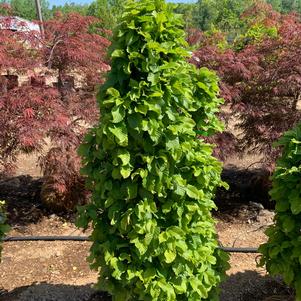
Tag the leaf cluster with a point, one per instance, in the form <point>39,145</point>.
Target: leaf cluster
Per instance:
<point>4,228</point>
<point>282,253</point>
<point>153,181</point>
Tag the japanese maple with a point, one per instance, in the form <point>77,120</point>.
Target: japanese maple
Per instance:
<point>62,111</point>
<point>261,80</point>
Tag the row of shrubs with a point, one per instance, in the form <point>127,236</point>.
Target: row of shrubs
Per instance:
<point>153,182</point>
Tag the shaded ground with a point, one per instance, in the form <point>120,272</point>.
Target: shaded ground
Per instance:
<point>254,287</point>
<point>271,290</point>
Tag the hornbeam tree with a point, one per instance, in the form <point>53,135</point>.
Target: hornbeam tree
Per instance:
<point>281,253</point>
<point>3,224</point>
<point>153,181</point>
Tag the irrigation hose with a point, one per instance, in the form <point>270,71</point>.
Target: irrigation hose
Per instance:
<point>86,238</point>
<point>46,238</point>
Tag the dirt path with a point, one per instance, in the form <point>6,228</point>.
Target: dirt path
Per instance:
<point>58,270</point>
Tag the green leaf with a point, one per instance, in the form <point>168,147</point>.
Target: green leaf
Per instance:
<point>153,78</point>
<point>118,114</point>
<point>140,246</point>
<point>180,285</point>
<point>124,155</point>
<point>84,150</point>
<point>118,53</point>
<point>120,133</point>
<point>193,192</point>
<point>131,190</point>
<point>4,229</point>
<point>125,171</point>
<point>170,256</point>
<point>288,224</point>
<point>296,205</point>
<point>198,288</point>
<point>150,273</point>
<point>112,92</point>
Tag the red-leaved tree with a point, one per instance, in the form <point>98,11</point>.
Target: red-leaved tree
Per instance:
<point>262,80</point>
<point>79,59</point>
<point>51,110</point>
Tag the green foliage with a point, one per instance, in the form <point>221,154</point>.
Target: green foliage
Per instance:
<point>223,15</point>
<point>189,13</point>
<point>286,6</point>
<point>109,11</point>
<point>153,181</point>
<point>3,226</point>
<point>68,8</point>
<point>277,4</point>
<point>254,34</point>
<point>282,253</point>
<point>27,9</point>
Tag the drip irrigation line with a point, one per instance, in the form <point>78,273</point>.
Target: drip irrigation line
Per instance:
<point>46,238</point>
<point>239,250</point>
<point>86,238</point>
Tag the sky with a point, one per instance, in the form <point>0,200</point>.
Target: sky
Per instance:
<point>62,2</point>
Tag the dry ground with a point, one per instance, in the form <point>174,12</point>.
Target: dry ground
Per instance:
<point>58,271</point>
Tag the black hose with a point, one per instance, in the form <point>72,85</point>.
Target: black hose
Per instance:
<point>46,238</point>
<point>86,238</point>
<point>239,250</point>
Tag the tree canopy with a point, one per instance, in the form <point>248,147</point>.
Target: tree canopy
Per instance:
<point>152,179</point>
<point>27,9</point>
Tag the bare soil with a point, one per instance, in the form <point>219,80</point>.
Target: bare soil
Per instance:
<point>58,271</point>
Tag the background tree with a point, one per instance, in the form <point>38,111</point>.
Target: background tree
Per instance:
<point>261,80</point>
<point>34,111</point>
<point>68,8</point>
<point>223,15</point>
<point>277,4</point>
<point>108,11</point>
<point>5,9</point>
<point>290,6</point>
<point>26,8</point>
<point>71,49</point>
<point>189,13</point>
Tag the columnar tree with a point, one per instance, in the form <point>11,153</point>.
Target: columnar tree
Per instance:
<point>282,252</point>
<point>153,181</point>
<point>3,224</point>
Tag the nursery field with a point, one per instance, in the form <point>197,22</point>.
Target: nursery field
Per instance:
<point>128,109</point>
<point>59,270</point>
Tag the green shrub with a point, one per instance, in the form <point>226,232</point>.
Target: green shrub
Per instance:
<point>282,253</point>
<point>3,226</point>
<point>153,181</point>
